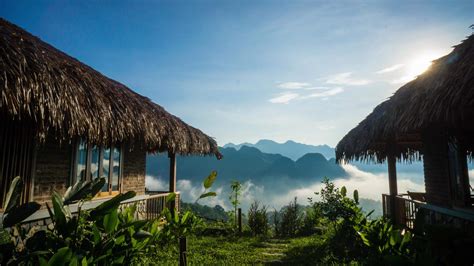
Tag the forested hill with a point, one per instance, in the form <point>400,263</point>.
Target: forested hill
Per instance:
<point>249,163</point>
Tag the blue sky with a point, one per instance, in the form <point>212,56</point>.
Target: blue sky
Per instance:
<point>246,70</point>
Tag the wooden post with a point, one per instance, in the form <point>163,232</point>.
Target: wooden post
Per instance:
<point>172,188</point>
<point>183,243</point>
<point>392,183</point>
<point>172,157</point>
<point>240,219</point>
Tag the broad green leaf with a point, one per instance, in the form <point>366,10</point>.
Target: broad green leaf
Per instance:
<point>20,213</point>
<point>111,205</point>
<point>343,191</point>
<point>185,217</point>
<point>142,234</point>
<point>59,212</point>
<point>111,221</point>
<point>83,190</point>
<point>42,261</point>
<point>74,261</point>
<point>171,197</point>
<point>356,196</point>
<point>137,225</point>
<point>119,260</point>
<point>97,186</point>
<point>61,257</point>
<point>119,240</point>
<point>364,239</point>
<point>208,194</point>
<point>84,261</point>
<point>210,180</point>
<point>4,237</point>
<point>96,233</point>
<point>13,196</point>
<point>73,192</point>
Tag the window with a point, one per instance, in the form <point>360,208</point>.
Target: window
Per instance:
<point>93,161</point>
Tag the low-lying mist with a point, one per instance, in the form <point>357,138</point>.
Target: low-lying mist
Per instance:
<point>369,185</point>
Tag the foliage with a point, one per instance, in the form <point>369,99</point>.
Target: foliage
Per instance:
<point>339,215</point>
<point>290,220</point>
<point>207,183</point>
<point>215,214</point>
<point>234,197</point>
<point>99,236</point>
<point>14,211</point>
<point>257,219</point>
<point>182,224</point>
<point>385,243</point>
<point>103,235</point>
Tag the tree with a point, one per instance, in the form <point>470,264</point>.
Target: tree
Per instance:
<point>234,197</point>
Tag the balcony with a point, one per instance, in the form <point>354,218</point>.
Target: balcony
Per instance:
<point>149,206</point>
<point>406,209</point>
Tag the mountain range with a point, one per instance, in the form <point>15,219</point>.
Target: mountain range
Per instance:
<point>295,150</point>
<point>249,163</point>
<point>290,149</point>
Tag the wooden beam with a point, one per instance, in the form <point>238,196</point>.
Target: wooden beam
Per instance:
<point>172,157</point>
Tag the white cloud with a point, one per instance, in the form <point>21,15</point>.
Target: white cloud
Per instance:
<point>402,80</point>
<point>325,127</point>
<point>190,193</point>
<point>284,98</point>
<point>369,185</point>
<point>325,94</point>
<point>346,79</point>
<point>293,85</point>
<point>390,69</point>
<point>155,184</point>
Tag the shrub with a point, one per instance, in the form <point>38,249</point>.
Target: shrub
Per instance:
<point>290,220</point>
<point>257,219</point>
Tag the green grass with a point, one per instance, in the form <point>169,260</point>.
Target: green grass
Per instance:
<point>246,251</point>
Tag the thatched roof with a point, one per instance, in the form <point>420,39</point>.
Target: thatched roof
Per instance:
<point>69,99</point>
<point>442,98</point>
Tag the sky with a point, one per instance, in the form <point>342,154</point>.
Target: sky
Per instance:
<point>241,71</point>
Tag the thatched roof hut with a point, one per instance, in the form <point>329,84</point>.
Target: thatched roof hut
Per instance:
<point>442,98</point>
<point>69,99</point>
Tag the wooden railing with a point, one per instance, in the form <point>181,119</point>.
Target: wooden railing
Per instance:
<point>151,206</point>
<point>148,207</point>
<point>407,209</point>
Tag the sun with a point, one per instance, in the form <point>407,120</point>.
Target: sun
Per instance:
<point>421,63</point>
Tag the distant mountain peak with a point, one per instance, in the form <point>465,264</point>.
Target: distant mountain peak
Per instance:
<point>290,148</point>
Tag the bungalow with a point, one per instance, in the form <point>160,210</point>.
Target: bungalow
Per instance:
<point>432,119</point>
<point>62,121</point>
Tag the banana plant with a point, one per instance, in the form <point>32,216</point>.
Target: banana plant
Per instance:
<point>15,212</point>
<point>180,225</point>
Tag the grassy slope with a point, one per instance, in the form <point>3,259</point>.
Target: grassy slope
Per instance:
<point>246,251</point>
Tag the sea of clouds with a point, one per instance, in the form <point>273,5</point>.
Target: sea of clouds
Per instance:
<point>369,185</point>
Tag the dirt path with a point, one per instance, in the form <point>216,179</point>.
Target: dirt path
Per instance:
<point>273,250</point>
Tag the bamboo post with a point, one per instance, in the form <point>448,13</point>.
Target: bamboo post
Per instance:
<point>183,243</point>
<point>240,219</point>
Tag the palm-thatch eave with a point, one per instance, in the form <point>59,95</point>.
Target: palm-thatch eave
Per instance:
<point>441,98</point>
<point>66,98</point>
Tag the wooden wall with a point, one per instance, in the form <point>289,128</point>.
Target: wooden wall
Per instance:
<point>436,168</point>
<point>53,169</point>
<point>16,155</point>
<point>134,169</point>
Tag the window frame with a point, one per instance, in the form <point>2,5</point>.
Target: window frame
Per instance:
<point>88,175</point>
